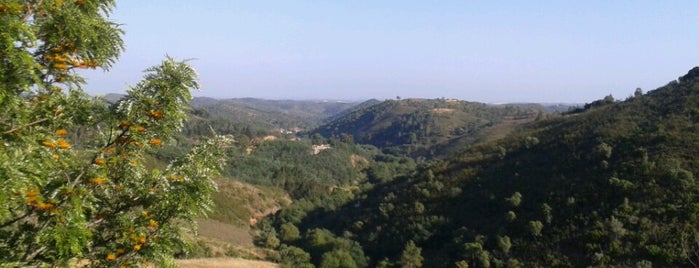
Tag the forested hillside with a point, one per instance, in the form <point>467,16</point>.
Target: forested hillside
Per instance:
<point>429,127</point>
<point>611,186</point>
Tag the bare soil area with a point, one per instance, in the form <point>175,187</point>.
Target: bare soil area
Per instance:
<point>224,263</point>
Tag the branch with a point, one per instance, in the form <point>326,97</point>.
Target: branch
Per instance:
<point>25,125</point>
<point>35,253</point>
<point>30,11</point>
<point>10,222</point>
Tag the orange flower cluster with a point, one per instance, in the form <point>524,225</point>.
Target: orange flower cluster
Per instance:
<point>98,181</point>
<point>111,257</point>
<point>48,144</point>
<point>31,195</point>
<point>32,199</point>
<point>62,143</point>
<point>175,178</point>
<point>61,132</point>
<point>155,142</point>
<point>108,150</point>
<point>64,57</point>
<point>152,224</point>
<point>138,241</point>
<point>100,161</point>
<point>43,206</point>
<point>124,124</point>
<point>157,114</point>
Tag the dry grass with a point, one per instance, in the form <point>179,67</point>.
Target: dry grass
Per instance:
<point>224,262</point>
<point>228,232</point>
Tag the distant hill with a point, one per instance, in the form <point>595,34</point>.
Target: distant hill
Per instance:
<point>428,127</point>
<point>272,114</point>
<point>612,186</point>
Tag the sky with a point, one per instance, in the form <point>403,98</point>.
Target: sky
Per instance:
<point>486,51</point>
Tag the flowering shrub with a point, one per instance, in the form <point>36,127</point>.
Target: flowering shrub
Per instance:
<point>74,186</point>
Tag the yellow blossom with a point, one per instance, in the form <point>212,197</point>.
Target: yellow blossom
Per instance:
<point>142,240</point>
<point>137,247</point>
<point>111,257</point>
<point>61,132</point>
<point>100,161</point>
<point>56,157</point>
<point>152,223</point>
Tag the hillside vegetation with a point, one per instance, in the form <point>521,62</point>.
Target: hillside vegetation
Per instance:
<point>429,127</point>
<point>611,186</point>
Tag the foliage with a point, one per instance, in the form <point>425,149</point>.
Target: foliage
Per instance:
<point>75,184</point>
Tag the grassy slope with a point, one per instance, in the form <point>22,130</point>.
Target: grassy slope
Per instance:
<point>227,231</point>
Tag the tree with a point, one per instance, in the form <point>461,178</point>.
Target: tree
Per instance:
<point>293,257</point>
<point>74,180</point>
<point>411,256</point>
<point>504,244</point>
<point>289,232</point>
<point>338,258</point>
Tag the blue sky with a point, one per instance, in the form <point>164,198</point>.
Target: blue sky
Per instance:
<point>488,51</point>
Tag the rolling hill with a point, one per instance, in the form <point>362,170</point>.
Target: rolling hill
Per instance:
<point>429,127</point>
<point>611,186</point>
<point>272,114</point>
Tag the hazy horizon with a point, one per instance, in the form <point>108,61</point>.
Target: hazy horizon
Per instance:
<point>502,52</point>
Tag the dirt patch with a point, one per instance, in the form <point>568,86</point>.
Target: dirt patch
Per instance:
<point>224,262</point>
<point>229,233</point>
<point>442,110</point>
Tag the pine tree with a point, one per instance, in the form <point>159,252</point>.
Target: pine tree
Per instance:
<point>411,256</point>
